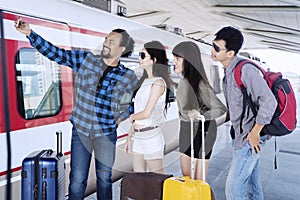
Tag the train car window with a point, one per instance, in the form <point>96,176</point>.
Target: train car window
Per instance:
<point>133,64</point>
<point>171,97</point>
<point>38,85</point>
<point>176,78</point>
<point>216,81</point>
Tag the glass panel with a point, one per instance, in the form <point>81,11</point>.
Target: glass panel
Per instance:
<point>38,85</point>
<point>130,63</point>
<point>216,78</point>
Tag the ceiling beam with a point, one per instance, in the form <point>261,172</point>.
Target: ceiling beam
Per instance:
<point>276,39</point>
<point>292,2</point>
<point>253,8</point>
<point>283,44</point>
<point>147,14</point>
<point>285,49</point>
<point>284,28</point>
<point>284,33</point>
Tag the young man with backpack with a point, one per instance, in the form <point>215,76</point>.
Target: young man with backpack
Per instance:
<point>243,177</point>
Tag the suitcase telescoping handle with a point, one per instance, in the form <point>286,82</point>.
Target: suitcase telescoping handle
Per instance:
<point>59,143</point>
<point>202,119</point>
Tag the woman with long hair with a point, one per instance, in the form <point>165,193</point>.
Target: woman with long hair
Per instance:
<point>150,105</point>
<point>195,96</point>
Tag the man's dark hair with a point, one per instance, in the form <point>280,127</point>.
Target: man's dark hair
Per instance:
<point>233,37</point>
<point>126,42</point>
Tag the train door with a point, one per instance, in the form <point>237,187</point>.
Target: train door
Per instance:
<point>36,96</point>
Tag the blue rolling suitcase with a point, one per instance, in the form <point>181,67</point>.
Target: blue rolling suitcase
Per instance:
<point>43,174</point>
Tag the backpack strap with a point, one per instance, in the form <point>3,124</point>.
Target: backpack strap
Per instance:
<point>238,71</point>
<point>243,88</point>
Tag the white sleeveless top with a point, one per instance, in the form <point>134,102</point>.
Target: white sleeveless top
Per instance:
<point>157,116</point>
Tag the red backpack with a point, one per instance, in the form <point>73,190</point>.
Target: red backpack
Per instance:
<point>284,119</point>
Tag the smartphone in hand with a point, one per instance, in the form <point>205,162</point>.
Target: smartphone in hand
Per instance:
<point>18,22</point>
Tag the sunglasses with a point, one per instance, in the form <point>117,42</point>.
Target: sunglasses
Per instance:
<point>217,48</point>
<point>143,55</point>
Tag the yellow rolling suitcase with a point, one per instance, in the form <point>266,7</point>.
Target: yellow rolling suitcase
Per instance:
<point>186,188</point>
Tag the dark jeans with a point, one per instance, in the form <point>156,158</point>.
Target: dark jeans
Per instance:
<point>81,152</point>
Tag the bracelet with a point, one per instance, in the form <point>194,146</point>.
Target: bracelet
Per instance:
<point>131,120</point>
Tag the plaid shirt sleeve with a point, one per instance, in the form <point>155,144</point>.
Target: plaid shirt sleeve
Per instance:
<point>129,84</point>
<point>71,58</point>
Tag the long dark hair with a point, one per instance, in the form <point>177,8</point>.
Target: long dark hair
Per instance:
<point>193,70</point>
<point>160,68</point>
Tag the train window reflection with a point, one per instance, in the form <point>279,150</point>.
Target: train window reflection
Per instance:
<point>38,85</point>
<point>216,78</point>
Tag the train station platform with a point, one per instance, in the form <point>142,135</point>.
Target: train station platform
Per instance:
<point>278,184</point>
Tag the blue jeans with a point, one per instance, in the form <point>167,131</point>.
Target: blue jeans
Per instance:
<point>244,176</point>
<point>81,152</point>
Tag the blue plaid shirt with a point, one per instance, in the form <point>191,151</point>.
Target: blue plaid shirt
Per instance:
<point>97,104</point>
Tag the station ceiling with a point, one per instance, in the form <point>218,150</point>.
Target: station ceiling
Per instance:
<point>265,23</point>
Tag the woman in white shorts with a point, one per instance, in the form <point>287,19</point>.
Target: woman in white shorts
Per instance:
<point>150,104</point>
